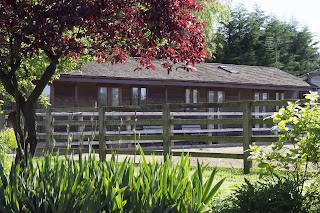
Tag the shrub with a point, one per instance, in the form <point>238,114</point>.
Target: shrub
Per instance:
<point>312,196</point>
<point>299,125</point>
<point>89,185</point>
<point>281,195</point>
<point>7,144</point>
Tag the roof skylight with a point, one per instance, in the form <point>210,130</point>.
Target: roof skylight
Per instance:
<point>228,69</point>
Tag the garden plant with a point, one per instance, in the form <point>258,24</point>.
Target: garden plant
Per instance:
<point>290,170</point>
<point>52,184</point>
<point>8,144</point>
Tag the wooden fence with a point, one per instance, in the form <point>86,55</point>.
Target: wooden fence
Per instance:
<point>119,129</point>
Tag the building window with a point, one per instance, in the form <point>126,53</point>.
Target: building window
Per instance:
<point>260,109</point>
<point>260,96</point>
<point>103,96</point>
<point>192,96</point>
<point>109,96</point>
<point>211,99</point>
<point>143,96</point>
<point>279,96</point>
<point>135,96</point>
<point>115,98</point>
<point>211,96</point>
<point>264,98</point>
<point>220,100</point>
<point>139,96</point>
<point>188,96</point>
<point>216,96</point>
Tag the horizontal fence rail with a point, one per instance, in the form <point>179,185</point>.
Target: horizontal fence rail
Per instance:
<point>160,126</point>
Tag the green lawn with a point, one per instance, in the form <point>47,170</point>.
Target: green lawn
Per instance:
<point>233,177</point>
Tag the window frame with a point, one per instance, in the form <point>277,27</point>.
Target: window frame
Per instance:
<point>190,98</point>
<point>139,97</point>
<point>192,93</point>
<point>109,98</point>
<point>262,96</point>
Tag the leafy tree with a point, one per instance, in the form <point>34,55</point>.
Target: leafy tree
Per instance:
<point>40,37</point>
<point>214,13</point>
<point>254,38</point>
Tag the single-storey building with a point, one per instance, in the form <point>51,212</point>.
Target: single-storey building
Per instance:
<point>113,85</point>
<point>313,78</point>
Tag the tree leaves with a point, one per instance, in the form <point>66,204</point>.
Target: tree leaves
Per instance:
<point>254,38</point>
<point>40,39</point>
<point>298,146</point>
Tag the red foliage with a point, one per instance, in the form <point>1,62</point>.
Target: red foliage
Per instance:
<point>111,30</point>
<point>116,29</point>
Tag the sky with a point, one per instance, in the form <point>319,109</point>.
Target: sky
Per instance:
<point>306,12</point>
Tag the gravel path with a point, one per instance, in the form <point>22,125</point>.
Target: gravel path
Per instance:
<point>212,162</point>
<point>233,148</point>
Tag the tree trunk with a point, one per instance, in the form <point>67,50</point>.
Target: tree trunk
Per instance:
<point>23,120</point>
<point>30,130</point>
<point>25,132</point>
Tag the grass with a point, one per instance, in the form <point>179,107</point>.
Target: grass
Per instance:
<point>234,177</point>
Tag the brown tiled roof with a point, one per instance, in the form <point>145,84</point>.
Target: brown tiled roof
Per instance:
<point>204,72</point>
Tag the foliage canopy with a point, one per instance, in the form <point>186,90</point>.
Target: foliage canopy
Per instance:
<point>254,38</point>
<point>38,38</point>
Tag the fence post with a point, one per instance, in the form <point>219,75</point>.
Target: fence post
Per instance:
<point>48,129</point>
<point>102,134</point>
<point>81,129</point>
<point>166,130</point>
<point>247,135</point>
<point>128,128</point>
<point>2,120</point>
<point>209,126</point>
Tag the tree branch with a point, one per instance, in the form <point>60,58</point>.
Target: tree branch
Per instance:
<point>9,86</point>
<point>45,78</point>
<point>7,83</point>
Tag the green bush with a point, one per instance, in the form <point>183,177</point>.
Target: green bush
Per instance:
<point>7,144</point>
<point>89,185</point>
<point>281,195</point>
<point>297,125</point>
<point>312,196</point>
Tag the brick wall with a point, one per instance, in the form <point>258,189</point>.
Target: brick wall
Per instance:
<point>292,95</point>
<point>231,94</point>
<point>87,95</point>
<point>64,95</point>
<point>246,94</point>
<point>176,95</point>
<point>202,95</point>
<point>126,95</point>
<point>156,95</point>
